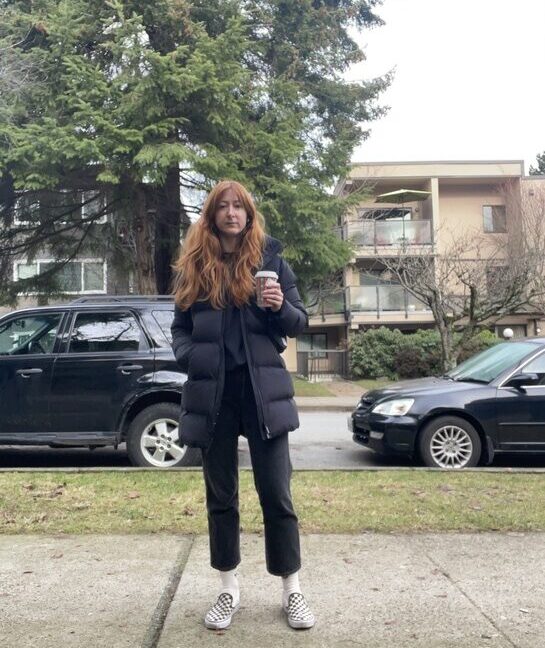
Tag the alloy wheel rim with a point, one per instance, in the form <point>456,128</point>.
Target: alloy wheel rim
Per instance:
<point>159,443</point>
<point>451,447</point>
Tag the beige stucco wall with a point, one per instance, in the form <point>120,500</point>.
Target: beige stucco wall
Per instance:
<point>493,169</point>
<point>290,355</point>
<point>461,208</point>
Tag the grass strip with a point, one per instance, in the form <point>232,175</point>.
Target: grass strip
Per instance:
<point>306,388</point>
<point>326,502</point>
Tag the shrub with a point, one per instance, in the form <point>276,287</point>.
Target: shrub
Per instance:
<point>390,353</point>
<point>480,342</point>
<point>372,353</point>
<point>428,343</point>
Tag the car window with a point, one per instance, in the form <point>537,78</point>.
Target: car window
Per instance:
<point>29,334</point>
<point>537,366</point>
<point>164,319</point>
<point>158,327</point>
<point>106,333</point>
<point>489,364</point>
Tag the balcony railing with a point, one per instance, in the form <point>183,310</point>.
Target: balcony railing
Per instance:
<point>382,298</point>
<point>377,233</point>
<point>322,364</point>
<point>331,304</point>
<point>368,299</point>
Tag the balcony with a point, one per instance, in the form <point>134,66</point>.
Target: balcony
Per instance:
<point>392,232</point>
<point>386,302</point>
<point>383,299</point>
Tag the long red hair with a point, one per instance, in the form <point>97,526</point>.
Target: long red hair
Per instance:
<point>200,272</point>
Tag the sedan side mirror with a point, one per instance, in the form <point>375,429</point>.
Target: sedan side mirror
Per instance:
<point>520,381</point>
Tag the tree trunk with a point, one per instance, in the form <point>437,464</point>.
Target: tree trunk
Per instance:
<point>168,210</point>
<point>143,236</point>
<point>448,358</point>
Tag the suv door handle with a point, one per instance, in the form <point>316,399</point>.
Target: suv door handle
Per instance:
<point>126,369</point>
<point>26,373</point>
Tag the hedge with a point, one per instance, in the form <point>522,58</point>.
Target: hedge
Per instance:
<point>389,353</point>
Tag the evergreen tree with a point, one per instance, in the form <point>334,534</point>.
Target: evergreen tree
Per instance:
<point>145,105</point>
<point>540,168</point>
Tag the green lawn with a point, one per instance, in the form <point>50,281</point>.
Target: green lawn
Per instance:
<point>326,502</point>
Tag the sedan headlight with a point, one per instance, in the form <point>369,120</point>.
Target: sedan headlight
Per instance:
<point>397,407</point>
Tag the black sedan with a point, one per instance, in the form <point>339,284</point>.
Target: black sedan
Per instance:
<point>493,402</point>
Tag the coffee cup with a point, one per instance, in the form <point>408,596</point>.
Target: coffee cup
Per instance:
<point>261,280</point>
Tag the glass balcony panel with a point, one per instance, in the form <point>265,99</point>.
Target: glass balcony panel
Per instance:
<point>363,298</point>
<point>330,304</point>
<point>334,303</point>
<point>414,304</point>
<point>391,298</point>
<point>418,232</point>
<point>389,232</point>
<point>354,233</point>
<point>368,233</point>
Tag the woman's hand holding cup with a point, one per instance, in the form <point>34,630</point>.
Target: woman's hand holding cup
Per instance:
<point>268,290</point>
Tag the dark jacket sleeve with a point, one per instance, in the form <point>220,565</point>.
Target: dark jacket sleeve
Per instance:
<point>181,328</point>
<point>292,318</point>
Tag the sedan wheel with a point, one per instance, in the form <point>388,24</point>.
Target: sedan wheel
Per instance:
<point>153,439</point>
<point>450,442</point>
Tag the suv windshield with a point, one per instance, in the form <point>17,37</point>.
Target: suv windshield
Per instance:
<point>489,364</point>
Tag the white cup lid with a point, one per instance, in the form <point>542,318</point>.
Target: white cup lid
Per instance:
<point>269,274</point>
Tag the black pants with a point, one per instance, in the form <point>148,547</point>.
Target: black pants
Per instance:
<point>272,471</point>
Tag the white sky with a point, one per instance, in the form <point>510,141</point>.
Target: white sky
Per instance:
<point>469,81</point>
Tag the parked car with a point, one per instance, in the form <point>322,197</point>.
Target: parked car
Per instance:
<point>92,373</point>
<point>492,403</point>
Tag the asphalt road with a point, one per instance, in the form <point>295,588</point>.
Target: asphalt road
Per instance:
<point>322,441</point>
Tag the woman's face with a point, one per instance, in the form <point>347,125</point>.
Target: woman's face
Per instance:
<point>230,217</point>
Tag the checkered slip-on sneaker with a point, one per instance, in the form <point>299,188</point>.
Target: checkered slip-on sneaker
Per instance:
<point>298,612</point>
<point>219,615</point>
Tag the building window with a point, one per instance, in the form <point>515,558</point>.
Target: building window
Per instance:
<point>75,277</point>
<point>62,206</point>
<point>494,219</point>
<point>92,204</point>
<point>519,330</point>
<point>315,342</point>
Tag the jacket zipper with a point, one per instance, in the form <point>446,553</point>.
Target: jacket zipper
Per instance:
<point>257,393</point>
<point>221,377</point>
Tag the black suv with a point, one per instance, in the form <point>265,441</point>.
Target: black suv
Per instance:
<point>95,372</point>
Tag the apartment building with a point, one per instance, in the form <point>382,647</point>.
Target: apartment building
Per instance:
<point>420,206</point>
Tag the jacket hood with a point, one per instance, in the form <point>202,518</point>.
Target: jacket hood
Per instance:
<point>272,247</point>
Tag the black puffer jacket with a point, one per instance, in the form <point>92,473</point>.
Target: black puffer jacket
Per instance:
<point>199,349</point>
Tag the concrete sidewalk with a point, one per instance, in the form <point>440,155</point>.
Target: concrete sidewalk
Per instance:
<point>432,590</point>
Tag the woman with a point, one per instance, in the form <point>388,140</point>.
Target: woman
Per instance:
<point>238,384</point>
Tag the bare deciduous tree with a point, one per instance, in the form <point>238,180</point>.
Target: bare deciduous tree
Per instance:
<point>475,279</point>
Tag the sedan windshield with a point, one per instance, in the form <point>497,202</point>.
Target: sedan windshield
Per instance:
<point>488,365</point>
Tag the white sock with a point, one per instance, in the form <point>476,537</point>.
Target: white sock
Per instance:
<point>290,584</point>
<point>229,584</point>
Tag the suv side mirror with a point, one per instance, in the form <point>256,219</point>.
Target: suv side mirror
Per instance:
<point>519,381</point>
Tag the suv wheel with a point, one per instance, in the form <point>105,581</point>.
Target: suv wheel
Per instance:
<point>152,440</point>
<point>450,442</point>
